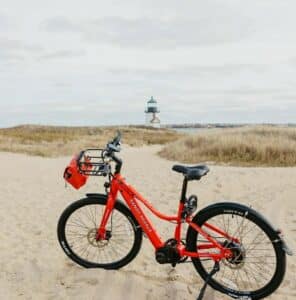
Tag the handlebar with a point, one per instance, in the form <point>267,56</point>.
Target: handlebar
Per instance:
<point>90,162</point>
<point>117,139</point>
<point>114,145</point>
<point>111,148</point>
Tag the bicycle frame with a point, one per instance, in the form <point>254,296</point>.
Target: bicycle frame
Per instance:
<point>131,197</point>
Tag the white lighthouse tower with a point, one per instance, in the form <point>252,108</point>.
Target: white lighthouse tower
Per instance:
<point>151,113</point>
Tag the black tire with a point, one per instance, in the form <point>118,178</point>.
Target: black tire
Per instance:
<point>221,282</point>
<point>131,224</point>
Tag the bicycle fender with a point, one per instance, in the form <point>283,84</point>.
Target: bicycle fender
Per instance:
<point>278,235</point>
<point>284,245</point>
<point>95,195</point>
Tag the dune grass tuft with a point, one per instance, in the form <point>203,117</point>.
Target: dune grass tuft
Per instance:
<point>52,141</point>
<point>249,146</point>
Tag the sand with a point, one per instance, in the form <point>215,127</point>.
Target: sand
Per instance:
<point>33,196</point>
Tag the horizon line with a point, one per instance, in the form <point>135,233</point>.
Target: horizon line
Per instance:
<point>188,125</point>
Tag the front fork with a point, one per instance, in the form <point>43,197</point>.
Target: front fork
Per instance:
<point>111,199</point>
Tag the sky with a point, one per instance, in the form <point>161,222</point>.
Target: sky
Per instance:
<point>98,62</point>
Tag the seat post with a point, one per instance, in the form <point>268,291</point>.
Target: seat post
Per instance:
<point>184,190</point>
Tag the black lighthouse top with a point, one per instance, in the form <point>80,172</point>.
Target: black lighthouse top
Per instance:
<point>152,106</point>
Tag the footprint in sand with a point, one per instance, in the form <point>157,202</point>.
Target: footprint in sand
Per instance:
<point>173,276</point>
<point>150,295</point>
<point>90,279</point>
<point>189,290</point>
<point>70,264</point>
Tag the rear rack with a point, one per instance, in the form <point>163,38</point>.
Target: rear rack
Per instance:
<point>91,162</point>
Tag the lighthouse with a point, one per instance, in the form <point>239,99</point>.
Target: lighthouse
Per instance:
<point>151,113</point>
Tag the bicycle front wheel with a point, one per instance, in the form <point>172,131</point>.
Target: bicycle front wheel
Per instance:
<point>258,264</point>
<point>77,228</point>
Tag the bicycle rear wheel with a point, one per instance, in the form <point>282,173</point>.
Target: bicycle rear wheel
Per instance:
<point>77,228</point>
<point>258,264</point>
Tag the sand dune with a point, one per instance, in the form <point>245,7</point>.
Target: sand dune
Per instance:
<point>33,196</point>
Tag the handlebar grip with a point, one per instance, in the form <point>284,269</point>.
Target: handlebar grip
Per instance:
<point>113,148</point>
<point>116,140</point>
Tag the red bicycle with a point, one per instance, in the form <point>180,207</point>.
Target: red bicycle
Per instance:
<point>233,248</point>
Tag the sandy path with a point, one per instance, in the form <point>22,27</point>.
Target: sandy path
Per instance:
<point>33,196</point>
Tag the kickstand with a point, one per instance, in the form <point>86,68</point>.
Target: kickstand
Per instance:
<point>215,269</point>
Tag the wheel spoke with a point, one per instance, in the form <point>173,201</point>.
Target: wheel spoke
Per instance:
<point>253,263</point>
<point>81,228</point>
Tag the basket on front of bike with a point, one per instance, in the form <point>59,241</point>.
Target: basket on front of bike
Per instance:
<point>89,162</point>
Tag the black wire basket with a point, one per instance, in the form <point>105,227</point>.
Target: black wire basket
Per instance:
<point>91,162</point>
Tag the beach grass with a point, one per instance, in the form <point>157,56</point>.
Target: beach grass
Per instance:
<point>246,146</point>
<point>53,141</point>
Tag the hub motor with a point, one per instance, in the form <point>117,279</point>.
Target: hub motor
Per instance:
<point>100,243</point>
<point>237,260</point>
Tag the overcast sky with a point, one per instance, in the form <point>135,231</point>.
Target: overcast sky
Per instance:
<point>98,62</point>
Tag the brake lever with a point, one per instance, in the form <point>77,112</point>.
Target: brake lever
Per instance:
<point>112,147</point>
<point>116,140</point>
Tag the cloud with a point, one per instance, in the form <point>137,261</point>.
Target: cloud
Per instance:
<point>155,33</point>
<point>158,33</point>
<point>62,54</point>
<point>5,22</point>
<point>203,60</point>
<point>60,24</point>
<point>10,57</point>
<point>16,50</point>
<point>190,71</point>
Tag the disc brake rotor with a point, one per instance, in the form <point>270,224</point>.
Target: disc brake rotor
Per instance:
<point>237,260</point>
<point>91,237</point>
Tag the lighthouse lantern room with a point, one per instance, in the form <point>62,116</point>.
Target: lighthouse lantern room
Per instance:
<point>151,113</point>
